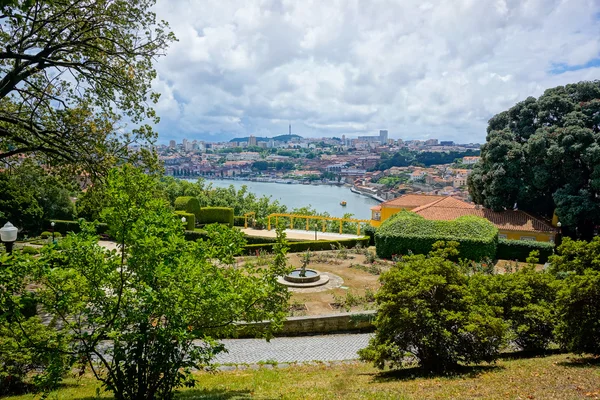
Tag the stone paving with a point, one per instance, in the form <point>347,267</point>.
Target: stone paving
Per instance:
<point>293,349</point>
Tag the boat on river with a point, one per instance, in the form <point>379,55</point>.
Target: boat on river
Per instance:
<point>343,203</point>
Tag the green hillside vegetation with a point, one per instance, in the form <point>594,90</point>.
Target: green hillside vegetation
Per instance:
<point>281,138</point>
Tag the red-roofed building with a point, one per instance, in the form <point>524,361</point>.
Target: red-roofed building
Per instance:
<point>516,225</point>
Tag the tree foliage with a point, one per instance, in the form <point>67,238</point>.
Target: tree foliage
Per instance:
<point>70,70</point>
<point>427,312</point>
<point>142,317</point>
<point>29,195</point>
<point>544,155</point>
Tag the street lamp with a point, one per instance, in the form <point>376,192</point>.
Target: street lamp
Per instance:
<point>316,226</point>
<point>52,225</point>
<point>183,221</point>
<point>8,235</point>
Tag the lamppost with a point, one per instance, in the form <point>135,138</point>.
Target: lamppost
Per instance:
<point>559,236</point>
<point>316,226</point>
<point>8,235</point>
<point>183,221</point>
<point>52,225</point>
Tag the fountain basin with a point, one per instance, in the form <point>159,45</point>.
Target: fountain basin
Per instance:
<point>313,278</point>
<point>310,276</point>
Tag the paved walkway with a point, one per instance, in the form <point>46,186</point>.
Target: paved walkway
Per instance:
<point>293,349</point>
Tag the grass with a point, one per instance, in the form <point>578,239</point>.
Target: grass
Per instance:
<point>559,376</point>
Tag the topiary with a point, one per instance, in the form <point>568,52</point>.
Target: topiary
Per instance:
<point>188,204</point>
<point>407,232</point>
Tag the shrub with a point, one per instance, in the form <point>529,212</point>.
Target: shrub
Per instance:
<point>575,256</point>
<point>190,219</point>
<point>578,310</point>
<point>426,310</point>
<point>298,247</point>
<point>519,250</point>
<point>64,227</point>
<point>195,235</point>
<point>241,221</point>
<point>408,232</point>
<point>220,215</point>
<point>30,250</point>
<point>188,204</point>
<point>370,232</point>
<point>45,235</point>
<point>259,239</point>
<point>527,299</point>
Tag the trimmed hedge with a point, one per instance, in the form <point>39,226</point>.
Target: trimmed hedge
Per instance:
<point>46,235</point>
<point>220,215</point>
<point>65,227</point>
<point>298,247</point>
<point>188,204</point>
<point>518,250</point>
<point>407,232</point>
<point>370,232</point>
<point>196,234</point>
<point>190,222</point>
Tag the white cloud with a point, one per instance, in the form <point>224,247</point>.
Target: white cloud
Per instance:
<point>420,69</point>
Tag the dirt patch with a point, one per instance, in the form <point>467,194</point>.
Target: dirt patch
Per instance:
<point>360,275</point>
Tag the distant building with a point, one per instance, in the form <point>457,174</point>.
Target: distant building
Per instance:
<point>431,142</point>
<point>446,143</point>
<point>471,160</point>
<point>172,144</point>
<point>252,141</point>
<point>383,136</point>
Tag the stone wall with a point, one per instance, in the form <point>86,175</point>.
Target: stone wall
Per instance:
<point>360,321</point>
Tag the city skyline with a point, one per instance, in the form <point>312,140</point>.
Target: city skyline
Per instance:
<point>420,70</point>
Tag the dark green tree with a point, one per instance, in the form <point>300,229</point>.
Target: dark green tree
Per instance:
<point>544,155</point>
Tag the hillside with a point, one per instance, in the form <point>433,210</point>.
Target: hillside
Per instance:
<point>281,138</point>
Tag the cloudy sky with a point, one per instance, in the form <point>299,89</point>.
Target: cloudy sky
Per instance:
<point>418,68</point>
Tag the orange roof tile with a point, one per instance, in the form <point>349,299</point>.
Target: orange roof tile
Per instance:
<point>450,208</point>
<point>411,200</point>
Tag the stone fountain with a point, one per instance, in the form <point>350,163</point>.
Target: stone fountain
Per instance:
<point>303,277</point>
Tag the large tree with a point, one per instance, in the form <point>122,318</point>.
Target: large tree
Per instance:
<point>71,71</point>
<point>544,155</point>
<point>144,316</point>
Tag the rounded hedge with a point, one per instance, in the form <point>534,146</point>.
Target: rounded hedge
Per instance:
<point>407,232</point>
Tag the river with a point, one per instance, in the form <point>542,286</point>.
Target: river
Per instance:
<point>323,198</point>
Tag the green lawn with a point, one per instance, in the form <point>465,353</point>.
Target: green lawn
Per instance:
<point>562,376</point>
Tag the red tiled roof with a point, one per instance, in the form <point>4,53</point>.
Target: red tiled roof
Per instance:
<point>411,200</point>
<point>450,208</point>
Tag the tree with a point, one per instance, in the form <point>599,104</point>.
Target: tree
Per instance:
<point>544,155</point>
<point>30,196</point>
<point>159,301</point>
<point>69,69</point>
<point>427,312</point>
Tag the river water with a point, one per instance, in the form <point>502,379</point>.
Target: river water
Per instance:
<point>323,198</point>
